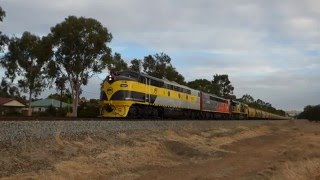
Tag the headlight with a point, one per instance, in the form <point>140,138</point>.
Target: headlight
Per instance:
<point>110,78</point>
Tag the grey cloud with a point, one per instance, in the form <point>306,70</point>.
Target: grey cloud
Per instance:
<point>260,44</point>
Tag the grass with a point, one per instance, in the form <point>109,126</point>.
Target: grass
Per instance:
<point>300,170</point>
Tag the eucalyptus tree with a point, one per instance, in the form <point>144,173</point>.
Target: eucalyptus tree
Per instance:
<point>159,65</point>
<point>3,38</point>
<point>248,99</point>
<point>2,14</point>
<point>117,63</point>
<point>80,51</point>
<point>135,65</point>
<point>7,89</point>
<point>224,84</point>
<point>26,61</point>
<point>203,85</point>
<point>61,86</point>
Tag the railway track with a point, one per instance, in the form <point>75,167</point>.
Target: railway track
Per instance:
<point>16,131</point>
<point>35,118</point>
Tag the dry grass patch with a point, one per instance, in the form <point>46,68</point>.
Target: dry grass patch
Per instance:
<point>302,170</point>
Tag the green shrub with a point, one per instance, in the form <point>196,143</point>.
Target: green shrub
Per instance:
<point>52,112</point>
<point>311,113</point>
<point>88,111</point>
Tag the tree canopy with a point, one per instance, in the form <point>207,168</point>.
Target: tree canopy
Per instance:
<point>26,59</point>
<point>117,63</point>
<point>220,86</point>
<point>2,14</point>
<point>8,90</point>
<point>248,99</point>
<point>3,38</point>
<point>135,65</point>
<point>222,82</point>
<point>159,65</point>
<point>260,104</point>
<point>203,85</point>
<point>80,51</point>
<point>311,113</point>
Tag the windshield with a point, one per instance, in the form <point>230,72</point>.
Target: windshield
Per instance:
<point>129,74</point>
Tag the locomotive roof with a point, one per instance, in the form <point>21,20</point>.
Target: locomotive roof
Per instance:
<point>214,95</point>
<point>166,81</point>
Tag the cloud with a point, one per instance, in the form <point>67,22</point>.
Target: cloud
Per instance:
<point>270,49</point>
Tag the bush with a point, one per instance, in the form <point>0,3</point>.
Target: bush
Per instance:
<point>53,112</point>
<point>88,111</point>
<point>13,113</point>
<point>311,113</point>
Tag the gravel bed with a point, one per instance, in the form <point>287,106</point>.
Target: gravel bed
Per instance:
<point>15,131</point>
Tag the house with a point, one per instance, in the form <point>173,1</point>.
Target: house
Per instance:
<point>9,106</point>
<point>42,105</point>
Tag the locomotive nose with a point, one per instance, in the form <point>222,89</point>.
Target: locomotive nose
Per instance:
<point>108,108</point>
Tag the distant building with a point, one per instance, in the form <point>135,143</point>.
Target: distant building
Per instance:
<point>42,105</point>
<point>10,106</point>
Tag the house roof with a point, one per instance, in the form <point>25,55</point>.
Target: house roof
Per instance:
<point>48,102</point>
<point>4,100</point>
<point>10,102</point>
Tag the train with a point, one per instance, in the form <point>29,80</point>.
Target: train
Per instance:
<point>129,94</point>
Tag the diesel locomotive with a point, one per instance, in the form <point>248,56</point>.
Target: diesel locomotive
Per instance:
<point>138,95</point>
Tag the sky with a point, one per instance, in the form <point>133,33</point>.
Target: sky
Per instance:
<point>269,49</point>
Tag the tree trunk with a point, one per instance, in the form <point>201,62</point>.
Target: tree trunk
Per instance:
<point>75,101</point>
<point>61,99</point>
<point>30,109</point>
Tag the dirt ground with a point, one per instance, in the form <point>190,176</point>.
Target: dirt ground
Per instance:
<point>289,150</point>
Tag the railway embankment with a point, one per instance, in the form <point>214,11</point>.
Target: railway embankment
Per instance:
<point>16,130</point>
<point>254,149</point>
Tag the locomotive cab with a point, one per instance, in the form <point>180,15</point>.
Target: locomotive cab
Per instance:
<point>116,95</point>
<point>239,110</point>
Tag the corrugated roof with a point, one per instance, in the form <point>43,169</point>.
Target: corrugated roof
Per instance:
<point>48,102</point>
<point>4,100</point>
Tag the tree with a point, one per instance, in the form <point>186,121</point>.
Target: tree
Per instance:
<point>89,108</point>
<point>8,90</point>
<point>159,65</point>
<point>3,38</point>
<point>310,112</point>
<point>173,75</point>
<point>203,85</point>
<point>149,65</point>
<point>80,51</point>
<point>135,65</point>
<point>61,86</point>
<point>2,14</point>
<point>26,59</point>
<point>247,99</point>
<point>260,103</point>
<point>117,63</point>
<point>224,85</point>
<point>4,87</point>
